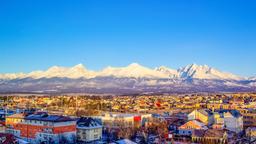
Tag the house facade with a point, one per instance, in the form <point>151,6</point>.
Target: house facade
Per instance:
<point>89,130</point>
<point>41,127</point>
<point>189,127</point>
<point>203,115</point>
<point>232,120</point>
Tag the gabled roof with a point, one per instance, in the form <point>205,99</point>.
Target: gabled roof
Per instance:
<point>194,123</point>
<point>89,122</point>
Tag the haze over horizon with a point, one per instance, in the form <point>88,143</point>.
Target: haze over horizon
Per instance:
<point>35,35</point>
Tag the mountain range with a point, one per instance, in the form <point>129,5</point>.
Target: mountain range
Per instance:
<point>132,79</point>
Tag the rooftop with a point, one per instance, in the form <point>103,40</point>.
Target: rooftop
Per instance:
<point>209,133</point>
<point>89,122</point>
<point>41,117</point>
<point>234,113</point>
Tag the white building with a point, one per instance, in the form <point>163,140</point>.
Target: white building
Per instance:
<point>89,130</point>
<point>231,119</point>
<point>124,120</point>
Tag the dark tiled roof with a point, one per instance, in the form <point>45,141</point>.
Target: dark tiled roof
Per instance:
<point>50,118</point>
<point>88,122</point>
<point>235,113</point>
<point>213,133</point>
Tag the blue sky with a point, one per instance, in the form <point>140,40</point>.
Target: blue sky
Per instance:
<point>37,34</point>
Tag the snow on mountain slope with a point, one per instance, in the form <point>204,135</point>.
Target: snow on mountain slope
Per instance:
<point>12,76</point>
<point>170,72</point>
<point>205,72</point>
<point>252,78</point>
<point>55,71</point>
<point>133,78</point>
<point>133,70</point>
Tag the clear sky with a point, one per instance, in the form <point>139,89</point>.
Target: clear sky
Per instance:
<point>37,34</point>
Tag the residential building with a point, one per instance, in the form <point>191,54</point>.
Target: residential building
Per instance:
<point>190,126</point>
<point>249,117</point>
<point>89,130</point>
<point>41,127</point>
<point>232,120</point>
<point>123,120</point>
<point>210,136</point>
<point>203,115</point>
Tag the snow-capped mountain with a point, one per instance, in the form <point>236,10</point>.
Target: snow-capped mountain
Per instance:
<point>252,78</point>
<point>133,70</point>
<point>205,72</point>
<point>12,76</point>
<point>133,78</point>
<point>77,71</point>
<point>171,73</point>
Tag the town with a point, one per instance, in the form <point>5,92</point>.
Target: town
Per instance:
<point>199,118</point>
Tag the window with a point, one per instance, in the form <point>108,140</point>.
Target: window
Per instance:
<point>95,136</point>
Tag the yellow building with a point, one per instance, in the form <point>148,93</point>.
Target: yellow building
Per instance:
<point>203,115</point>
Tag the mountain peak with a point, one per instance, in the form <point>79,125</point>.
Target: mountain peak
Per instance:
<point>252,78</point>
<point>196,66</point>
<point>55,68</point>
<point>205,72</point>
<point>134,65</point>
<point>162,68</point>
<point>132,70</point>
<point>80,67</point>
<point>170,72</point>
